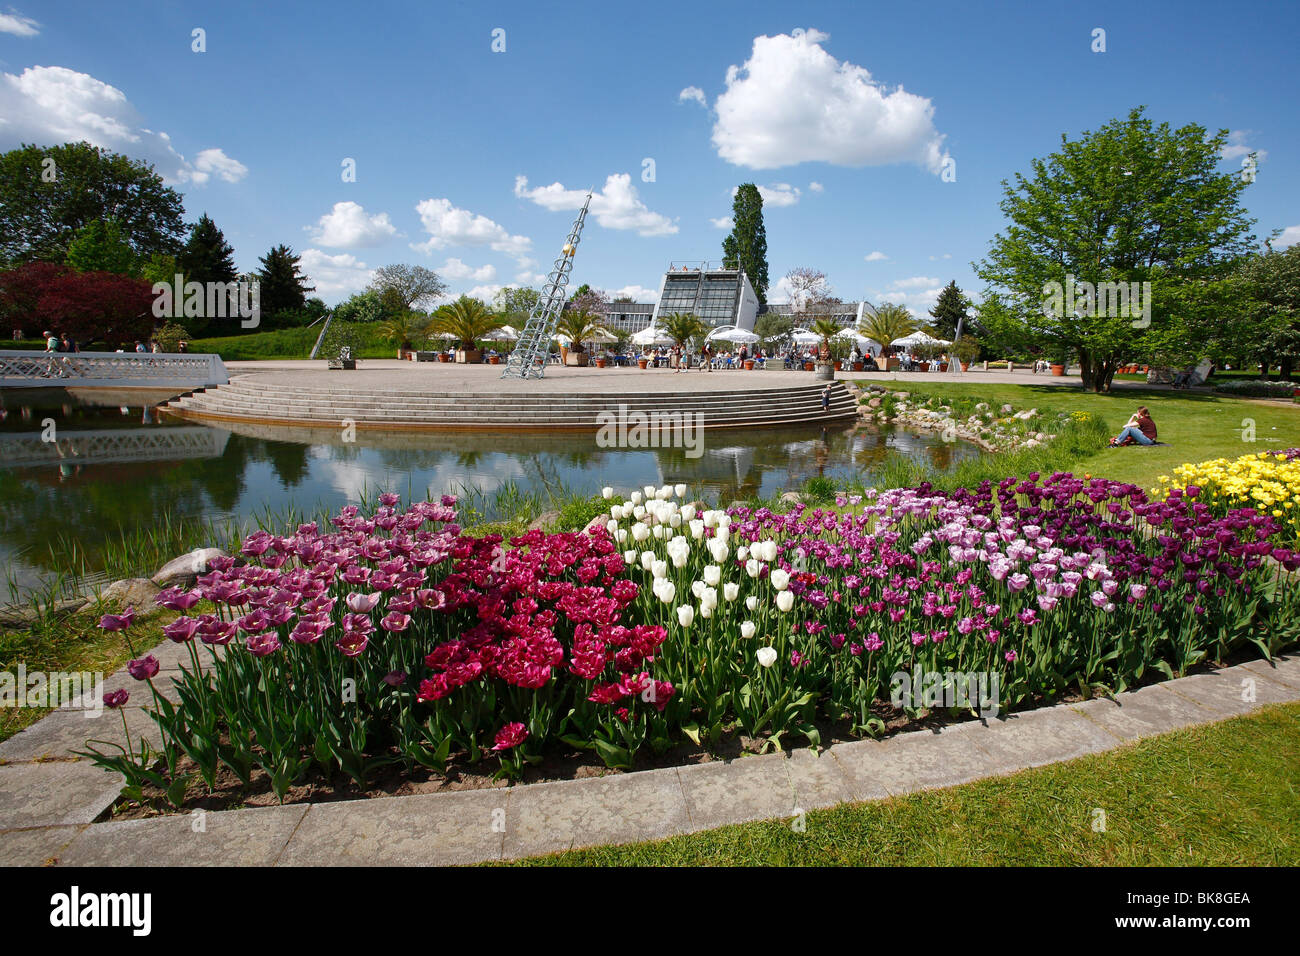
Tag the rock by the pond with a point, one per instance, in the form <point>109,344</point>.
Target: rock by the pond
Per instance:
<point>792,496</point>
<point>181,571</point>
<point>132,592</point>
<point>543,520</point>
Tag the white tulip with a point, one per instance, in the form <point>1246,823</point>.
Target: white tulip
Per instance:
<point>769,551</point>
<point>629,557</point>
<point>752,568</point>
<point>659,569</point>
<point>697,529</point>
<point>724,520</point>
<point>635,497</point>
<point>685,615</point>
<point>730,591</point>
<point>649,491</point>
<point>712,575</point>
<point>706,611</point>
<point>667,590</point>
<point>747,629</point>
<point>679,560</point>
<point>640,532</point>
<point>780,579</point>
<point>688,513</point>
<point>664,493</point>
<point>679,490</point>
<point>658,532</point>
<point>718,548</point>
<point>697,588</point>
<point>766,656</point>
<point>709,598</point>
<point>607,492</point>
<point>611,526</point>
<point>647,560</point>
<point>638,512</point>
<point>742,553</point>
<point>621,536</point>
<point>674,521</point>
<point>784,601</point>
<point>710,519</point>
<point>616,512</point>
<point>751,603</point>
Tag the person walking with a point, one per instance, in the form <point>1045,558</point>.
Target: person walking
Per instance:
<point>826,398</point>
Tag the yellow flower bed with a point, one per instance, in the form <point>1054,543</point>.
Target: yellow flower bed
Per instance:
<point>1268,481</point>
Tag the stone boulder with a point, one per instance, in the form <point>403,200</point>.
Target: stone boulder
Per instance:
<point>545,520</point>
<point>132,592</point>
<point>181,571</point>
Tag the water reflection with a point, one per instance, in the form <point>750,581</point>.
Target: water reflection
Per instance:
<point>115,466</point>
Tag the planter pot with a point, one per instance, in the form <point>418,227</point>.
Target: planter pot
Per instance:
<point>943,366</point>
<point>857,366</point>
<point>443,357</point>
<point>807,366</point>
<point>1058,370</point>
<point>347,365</point>
<point>494,359</point>
<point>965,366</point>
<point>642,363</point>
<point>825,371</point>
<point>749,365</point>
<point>600,363</point>
<point>468,356</point>
<point>577,359</point>
<point>839,366</point>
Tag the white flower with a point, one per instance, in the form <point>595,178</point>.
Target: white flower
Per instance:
<point>658,532</point>
<point>674,521</point>
<point>747,629</point>
<point>678,557</point>
<point>647,560</point>
<point>685,615</point>
<point>706,611</point>
<point>718,548</point>
<point>769,551</point>
<point>697,529</point>
<point>640,532</point>
<point>638,512</point>
<point>659,570</point>
<point>629,557</point>
<point>679,490</point>
<point>742,553</point>
<point>635,497</point>
<point>688,513</point>
<point>611,526</point>
<point>710,518</point>
<point>649,491</point>
<point>724,520</point>
<point>709,598</point>
<point>666,590</point>
<point>751,603</point>
<point>784,601</point>
<point>766,656</point>
<point>780,579</point>
<point>607,492</point>
<point>664,493</point>
<point>730,591</point>
<point>616,512</point>
<point>752,568</point>
<point>697,588</point>
<point>712,574</point>
<point>621,535</point>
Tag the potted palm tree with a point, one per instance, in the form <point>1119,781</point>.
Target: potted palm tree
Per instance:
<point>578,325</point>
<point>404,329</point>
<point>683,327</point>
<point>466,320</point>
<point>827,328</point>
<point>890,322</point>
<point>966,350</point>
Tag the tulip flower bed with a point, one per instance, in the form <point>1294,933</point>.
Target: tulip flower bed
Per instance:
<point>394,639</point>
<point>1268,481</point>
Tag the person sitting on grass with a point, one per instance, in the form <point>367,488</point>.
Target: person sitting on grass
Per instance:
<point>1139,429</point>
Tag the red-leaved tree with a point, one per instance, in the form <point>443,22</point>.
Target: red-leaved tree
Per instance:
<point>86,306</point>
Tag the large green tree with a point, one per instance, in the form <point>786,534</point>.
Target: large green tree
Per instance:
<point>949,311</point>
<point>1131,203</point>
<point>746,245</point>
<point>100,246</point>
<point>406,288</point>
<point>283,286</point>
<point>207,257</point>
<point>1264,326</point>
<point>48,194</point>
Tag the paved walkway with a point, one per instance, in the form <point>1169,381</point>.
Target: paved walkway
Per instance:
<point>401,376</point>
<point>49,800</point>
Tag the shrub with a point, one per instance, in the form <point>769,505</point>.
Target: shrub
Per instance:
<point>1256,388</point>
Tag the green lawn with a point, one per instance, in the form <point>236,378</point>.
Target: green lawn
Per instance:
<point>1227,794</point>
<point>1196,425</point>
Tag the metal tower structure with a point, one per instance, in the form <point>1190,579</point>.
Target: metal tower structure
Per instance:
<point>528,360</point>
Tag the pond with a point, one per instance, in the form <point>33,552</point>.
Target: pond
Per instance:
<point>111,467</point>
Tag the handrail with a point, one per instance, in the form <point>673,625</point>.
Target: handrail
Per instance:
<point>31,369</point>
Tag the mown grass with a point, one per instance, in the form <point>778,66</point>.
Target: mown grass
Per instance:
<point>1195,426</point>
<point>1227,794</point>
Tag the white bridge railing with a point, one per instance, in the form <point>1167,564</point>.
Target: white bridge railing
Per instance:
<point>102,446</point>
<point>19,369</point>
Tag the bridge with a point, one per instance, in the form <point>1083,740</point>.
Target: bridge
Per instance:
<point>28,369</point>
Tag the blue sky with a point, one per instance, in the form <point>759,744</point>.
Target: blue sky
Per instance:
<point>845,114</point>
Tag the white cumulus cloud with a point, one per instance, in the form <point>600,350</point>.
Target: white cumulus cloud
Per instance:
<point>53,104</point>
<point>722,222</point>
<point>456,269</point>
<point>17,24</point>
<point>616,206</point>
<point>448,225</point>
<point>335,277</point>
<point>693,94</point>
<point>778,194</point>
<point>638,293</point>
<point>875,256</point>
<point>792,102</point>
<point>348,226</point>
<point>1236,147</point>
<point>1289,237</point>
<point>816,187</point>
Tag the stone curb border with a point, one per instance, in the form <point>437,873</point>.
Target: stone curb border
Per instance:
<point>48,801</point>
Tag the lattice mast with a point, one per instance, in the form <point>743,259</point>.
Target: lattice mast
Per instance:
<point>528,360</point>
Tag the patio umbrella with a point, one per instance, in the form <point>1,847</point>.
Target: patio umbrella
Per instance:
<point>804,338</point>
<point>731,333</point>
<point>919,337</point>
<point>506,333</point>
<point>651,336</point>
